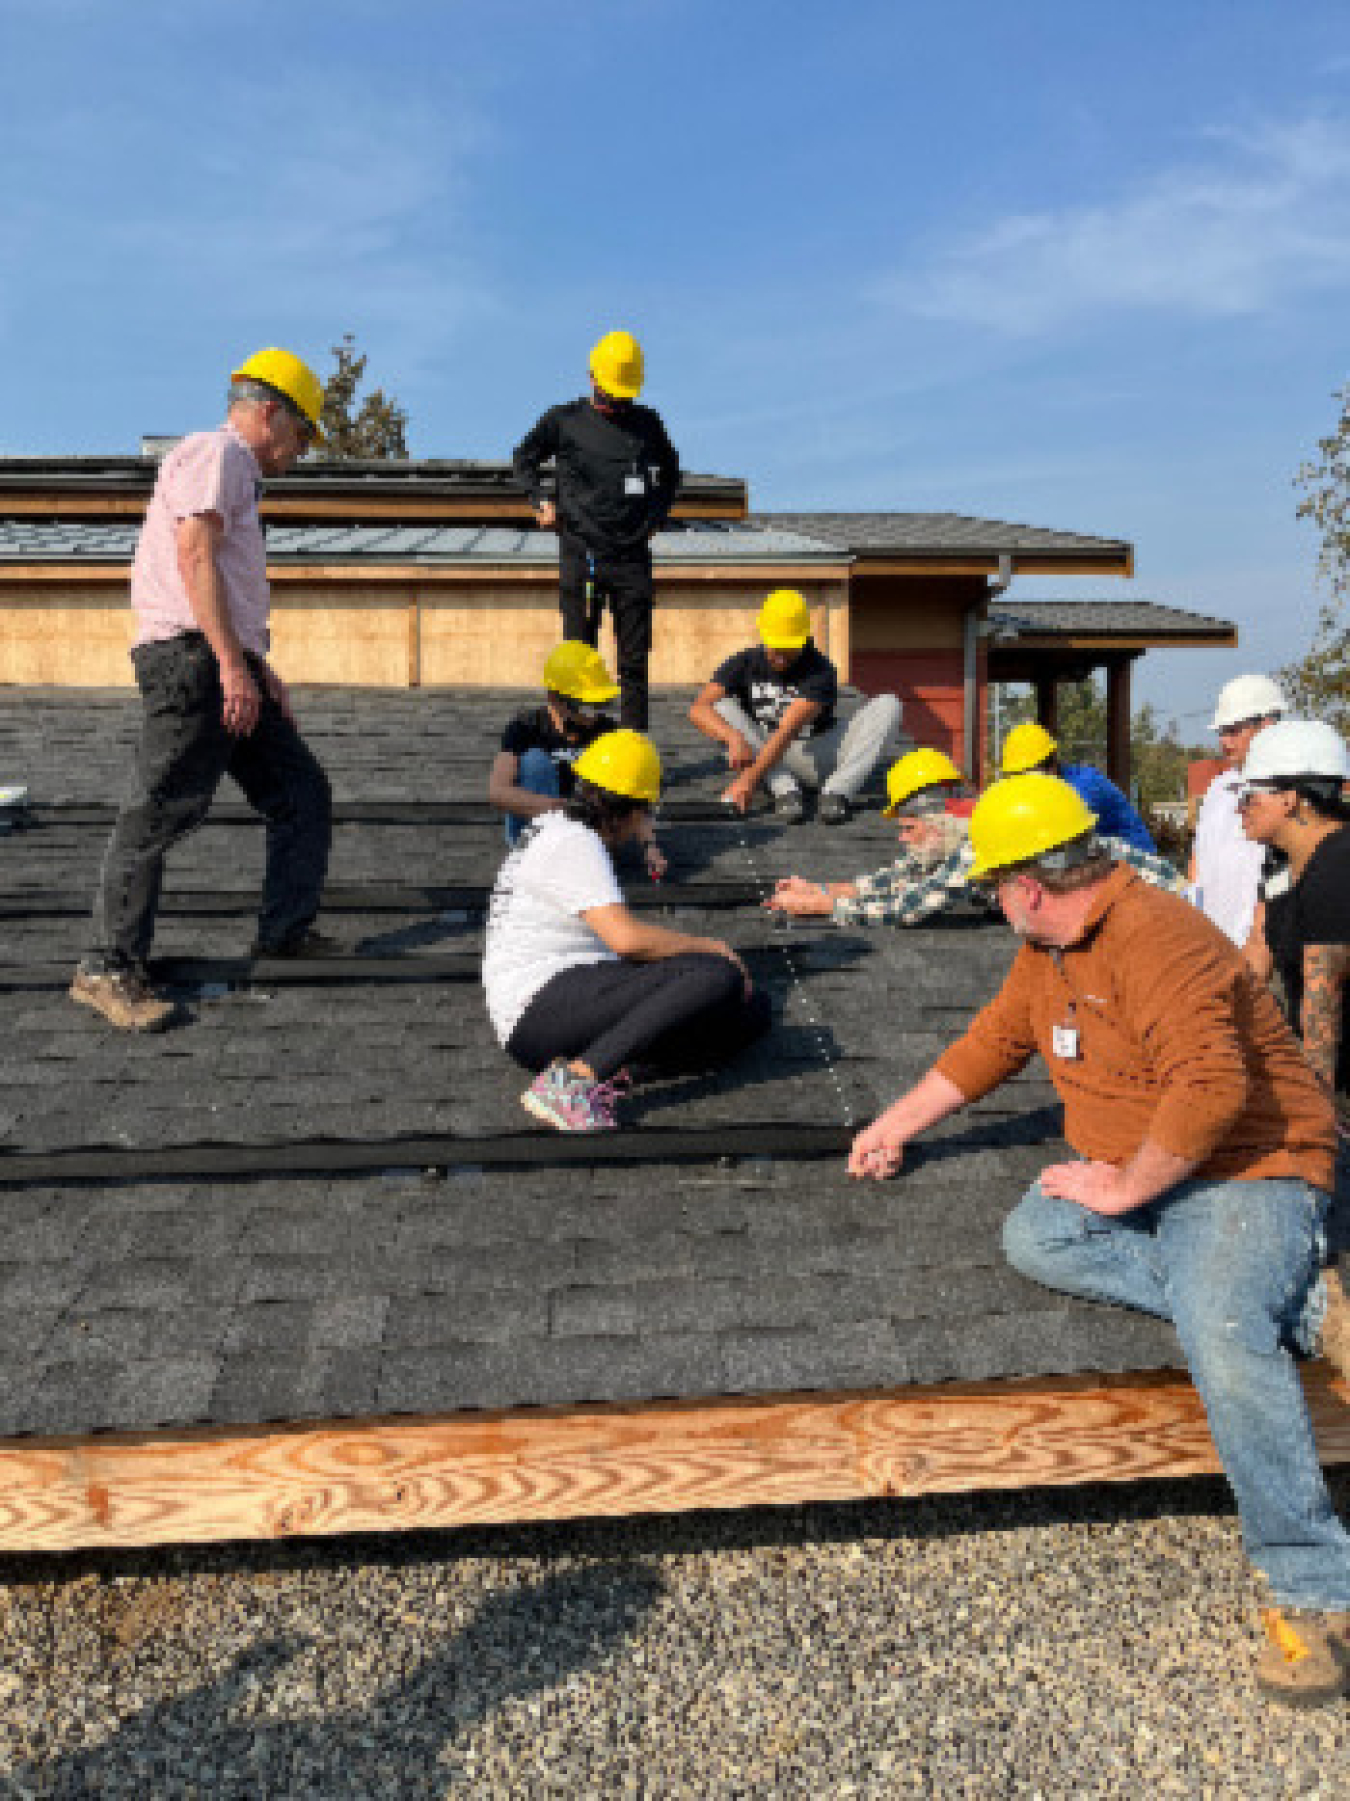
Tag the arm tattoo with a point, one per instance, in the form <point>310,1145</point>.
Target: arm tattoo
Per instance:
<point>1325,967</point>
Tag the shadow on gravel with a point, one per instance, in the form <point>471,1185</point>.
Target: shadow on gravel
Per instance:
<point>522,1641</point>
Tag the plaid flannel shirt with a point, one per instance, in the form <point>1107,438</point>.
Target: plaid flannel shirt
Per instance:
<point>914,888</point>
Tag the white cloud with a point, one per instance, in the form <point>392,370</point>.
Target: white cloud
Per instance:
<point>1266,218</point>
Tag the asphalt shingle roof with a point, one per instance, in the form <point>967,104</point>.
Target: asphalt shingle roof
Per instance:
<point>421,478</point>
<point>935,534</point>
<point>136,1304</point>
<point>24,540</point>
<point>1082,618</point>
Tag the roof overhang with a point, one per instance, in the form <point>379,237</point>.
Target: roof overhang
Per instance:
<point>1116,560</point>
<point>418,492</point>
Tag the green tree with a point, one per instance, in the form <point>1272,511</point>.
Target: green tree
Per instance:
<point>1319,683</point>
<point>375,431</point>
<point>1158,758</point>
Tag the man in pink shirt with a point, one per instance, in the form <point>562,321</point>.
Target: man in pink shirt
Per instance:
<point>213,704</point>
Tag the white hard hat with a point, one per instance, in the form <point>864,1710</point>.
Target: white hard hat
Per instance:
<point>1296,748</point>
<point>1247,697</point>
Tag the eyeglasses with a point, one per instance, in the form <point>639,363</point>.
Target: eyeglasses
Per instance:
<point>1247,795</point>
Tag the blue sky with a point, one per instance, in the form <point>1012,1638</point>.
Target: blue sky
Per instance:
<point>1054,261</point>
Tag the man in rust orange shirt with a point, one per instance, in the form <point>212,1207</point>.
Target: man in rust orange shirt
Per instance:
<point>1208,1154</point>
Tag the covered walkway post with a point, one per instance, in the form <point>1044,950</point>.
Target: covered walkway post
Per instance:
<point>1118,721</point>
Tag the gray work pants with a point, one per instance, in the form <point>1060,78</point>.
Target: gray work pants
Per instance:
<point>184,752</point>
<point>837,761</point>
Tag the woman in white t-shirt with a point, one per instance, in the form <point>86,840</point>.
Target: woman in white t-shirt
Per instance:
<point>577,986</point>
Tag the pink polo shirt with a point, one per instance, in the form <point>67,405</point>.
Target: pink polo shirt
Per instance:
<point>209,472</point>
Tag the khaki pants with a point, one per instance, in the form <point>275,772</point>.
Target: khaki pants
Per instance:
<point>838,761</point>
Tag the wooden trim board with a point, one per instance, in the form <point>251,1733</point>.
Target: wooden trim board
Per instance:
<point>350,507</point>
<point>364,571</point>
<point>384,1475</point>
<point>1076,643</point>
<point>974,562</point>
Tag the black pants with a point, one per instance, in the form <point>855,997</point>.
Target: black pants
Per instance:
<point>626,582</point>
<point>684,1013</point>
<point>184,752</point>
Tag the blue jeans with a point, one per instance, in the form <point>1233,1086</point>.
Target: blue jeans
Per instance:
<point>535,770</point>
<point>1236,1267</point>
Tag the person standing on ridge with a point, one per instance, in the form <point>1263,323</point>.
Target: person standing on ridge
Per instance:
<point>213,703</point>
<point>616,475</point>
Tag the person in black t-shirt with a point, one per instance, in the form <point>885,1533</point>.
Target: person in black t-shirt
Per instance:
<point>773,707</point>
<point>532,771</point>
<point>617,474</point>
<point>1292,800</point>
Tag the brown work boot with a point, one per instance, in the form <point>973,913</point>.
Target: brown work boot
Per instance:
<point>1306,1661</point>
<point>124,998</point>
<point>1333,1341</point>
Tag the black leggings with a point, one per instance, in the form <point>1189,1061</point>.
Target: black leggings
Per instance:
<point>683,1013</point>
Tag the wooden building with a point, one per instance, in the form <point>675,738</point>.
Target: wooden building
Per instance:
<point>430,574</point>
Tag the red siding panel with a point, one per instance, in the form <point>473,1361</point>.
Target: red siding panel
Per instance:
<point>930,684</point>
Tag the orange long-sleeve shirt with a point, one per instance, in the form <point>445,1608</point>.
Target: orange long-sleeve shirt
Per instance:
<point>1175,1040</point>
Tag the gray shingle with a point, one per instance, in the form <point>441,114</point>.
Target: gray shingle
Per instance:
<point>931,534</point>
<point>254,1299</point>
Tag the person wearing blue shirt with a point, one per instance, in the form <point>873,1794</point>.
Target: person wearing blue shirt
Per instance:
<point>1030,746</point>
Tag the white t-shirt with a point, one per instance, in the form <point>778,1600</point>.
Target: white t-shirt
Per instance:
<point>558,871</point>
<point>1227,862</point>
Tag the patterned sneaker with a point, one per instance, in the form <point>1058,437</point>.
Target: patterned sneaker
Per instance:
<point>569,1103</point>
<point>124,998</point>
<point>1306,1660</point>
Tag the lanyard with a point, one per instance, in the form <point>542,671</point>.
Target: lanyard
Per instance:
<point>1064,1042</point>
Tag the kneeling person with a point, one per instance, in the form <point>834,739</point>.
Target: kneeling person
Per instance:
<point>577,986</point>
<point>1207,1150</point>
<point>773,708</point>
<point>1030,747</point>
<point>926,796</point>
<point>532,772</point>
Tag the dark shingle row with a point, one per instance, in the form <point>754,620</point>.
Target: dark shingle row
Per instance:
<point>136,1305</point>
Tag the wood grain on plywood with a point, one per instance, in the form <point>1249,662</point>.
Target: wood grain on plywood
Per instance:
<point>397,1474</point>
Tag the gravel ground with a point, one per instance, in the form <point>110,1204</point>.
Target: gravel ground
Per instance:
<point>1088,1642</point>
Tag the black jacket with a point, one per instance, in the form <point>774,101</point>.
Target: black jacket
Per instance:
<point>616,474</point>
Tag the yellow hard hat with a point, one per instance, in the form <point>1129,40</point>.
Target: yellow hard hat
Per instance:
<point>784,620</point>
<point>914,772</point>
<point>579,672</point>
<point>616,364</point>
<point>623,763</point>
<point>1023,817</point>
<point>289,376</point>
<point>1029,744</point>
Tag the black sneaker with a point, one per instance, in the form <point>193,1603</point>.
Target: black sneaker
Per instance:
<point>834,808</point>
<point>790,808</point>
<point>309,944</point>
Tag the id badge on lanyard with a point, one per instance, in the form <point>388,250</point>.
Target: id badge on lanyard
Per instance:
<point>1064,1041</point>
<point>1064,1038</point>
